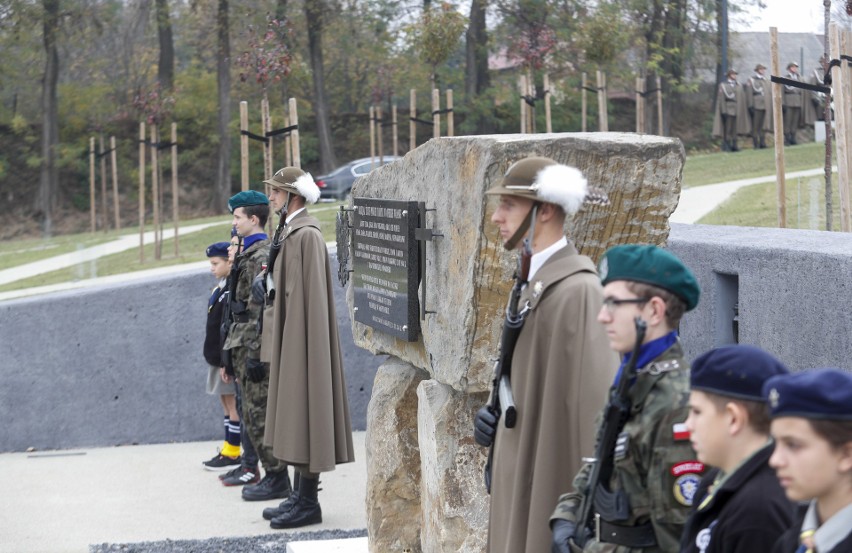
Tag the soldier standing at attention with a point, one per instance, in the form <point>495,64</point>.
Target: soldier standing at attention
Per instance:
<point>759,102</point>
<point>731,114</point>
<point>740,507</point>
<point>792,105</point>
<point>251,210</point>
<point>561,366</point>
<point>648,481</point>
<point>307,414</point>
<point>812,427</point>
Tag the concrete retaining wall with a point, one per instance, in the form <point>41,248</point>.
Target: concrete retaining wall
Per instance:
<point>122,364</point>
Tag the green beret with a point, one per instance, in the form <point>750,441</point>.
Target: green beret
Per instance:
<point>650,265</point>
<point>246,198</point>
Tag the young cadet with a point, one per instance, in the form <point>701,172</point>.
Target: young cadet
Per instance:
<point>561,366</point>
<point>251,210</point>
<point>307,414</point>
<point>653,473</point>
<point>812,427</point>
<point>740,507</point>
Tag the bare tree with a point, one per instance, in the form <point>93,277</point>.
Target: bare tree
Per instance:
<point>223,83</point>
<point>476,50</point>
<point>49,179</point>
<point>166,66</point>
<point>314,16</point>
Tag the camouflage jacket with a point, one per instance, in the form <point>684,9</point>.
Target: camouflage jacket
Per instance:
<point>243,331</point>
<point>655,464</point>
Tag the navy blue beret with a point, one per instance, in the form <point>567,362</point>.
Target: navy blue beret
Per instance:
<point>812,394</point>
<point>219,249</point>
<point>737,371</point>
<point>247,198</point>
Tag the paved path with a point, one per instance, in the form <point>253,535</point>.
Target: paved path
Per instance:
<point>698,201</point>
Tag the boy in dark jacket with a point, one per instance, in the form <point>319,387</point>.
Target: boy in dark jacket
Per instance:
<point>739,507</point>
<point>229,454</point>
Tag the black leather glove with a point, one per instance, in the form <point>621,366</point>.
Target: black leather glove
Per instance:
<point>256,370</point>
<point>484,427</point>
<point>258,288</point>
<point>563,534</point>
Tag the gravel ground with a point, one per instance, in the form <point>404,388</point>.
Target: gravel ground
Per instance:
<point>252,544</point>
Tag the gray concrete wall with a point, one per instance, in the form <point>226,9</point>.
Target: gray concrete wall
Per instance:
<point>122,364</point>
<point>793,289</point>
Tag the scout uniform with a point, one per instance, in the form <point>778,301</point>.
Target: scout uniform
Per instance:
<point>824,394</point>
<point>655,473</point>
<point>561,368</point>
<point>731,117</point>
<point>792,106</point>
<point>747,509</point>
<point>758,94</point>
<point>244,343</point>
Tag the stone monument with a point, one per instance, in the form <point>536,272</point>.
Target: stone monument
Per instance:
<point>425,489</point>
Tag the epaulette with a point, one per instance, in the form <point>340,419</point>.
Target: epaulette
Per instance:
<point>660,367</point>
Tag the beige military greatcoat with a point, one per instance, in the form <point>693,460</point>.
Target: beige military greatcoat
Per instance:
<point>561,370</point>
<point>307,414</point>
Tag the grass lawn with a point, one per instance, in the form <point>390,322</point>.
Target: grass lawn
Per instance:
<point>192,248</point>
<point>723,167</point>
<point>756,205</point>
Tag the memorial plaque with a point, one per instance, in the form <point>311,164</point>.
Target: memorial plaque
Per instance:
<point>386,266</point>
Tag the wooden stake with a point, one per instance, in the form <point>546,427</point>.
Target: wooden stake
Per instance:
<point>640,120</point>
<point>175,210</point>
<point>142,154</point>
<point>846,70</point>
<point>660,107</point>
<point>584,103</point>
<point>244,143</point>
<point>113,156</point>
<point>436,117</point>
<point>412,125</point>
<point>372,138</point>
<point>603,123</point>
<point>266,125</point>
<point>288,144</point>
<point>104,210</point>
<point>155,190</point>
<point>778,120</point>
<point>92,225</point>
<point>380,131</point>
<point>523,103</point>
<point>294,120</point>
<point>395,128</point>
<point>530,93</point>
<point>547,122</point>
<point>842,96</point>
<point>450,121</point>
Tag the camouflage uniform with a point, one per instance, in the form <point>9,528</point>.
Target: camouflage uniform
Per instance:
<point>656,468</point>
<point>244,341</point>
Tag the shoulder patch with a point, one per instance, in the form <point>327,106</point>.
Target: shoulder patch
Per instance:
<point>685,487</point>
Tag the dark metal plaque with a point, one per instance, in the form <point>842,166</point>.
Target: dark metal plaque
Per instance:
<point>386,266</point>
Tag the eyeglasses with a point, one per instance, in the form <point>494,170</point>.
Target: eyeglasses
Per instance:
<point>611,303</point>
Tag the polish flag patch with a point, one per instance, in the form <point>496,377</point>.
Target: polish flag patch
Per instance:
<point>680,432</point>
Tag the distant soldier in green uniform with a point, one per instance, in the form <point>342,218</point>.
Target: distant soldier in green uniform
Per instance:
<point>731,113</point>
<point>758,93</point>
<point>647,483</point>
<point>792,105</point>
<point>251,210</point>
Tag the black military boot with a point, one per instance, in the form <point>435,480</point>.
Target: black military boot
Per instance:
<point>734,146</point>
<point>793,139</point>
<point>762,143</point>
<point>306,510</point>
<point>275,485</point>
<point>271,512</point>
<point>725,147</point>
<point>755,142</point>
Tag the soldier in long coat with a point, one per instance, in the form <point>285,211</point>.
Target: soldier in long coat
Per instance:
<point>731,117</point>
<point>307,415</point>
<point>793,102</point>
<point>813,103</point>
<point>561,367</point>
<point>758,93</point>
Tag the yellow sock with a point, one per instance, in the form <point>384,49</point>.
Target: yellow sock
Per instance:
<point>229,450</point>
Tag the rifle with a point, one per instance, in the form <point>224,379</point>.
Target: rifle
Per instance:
<point>614,417</point>
<point>227,360</point>
<point>502,401</point>
<point>274,249</point>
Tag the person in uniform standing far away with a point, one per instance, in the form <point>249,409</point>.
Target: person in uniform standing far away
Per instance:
<point>307,414</point>
<point>812,427</point>
<point>561,366</point>
<point>758,93</point>
<point>740,507</point>
<point>647,480</point>
<point>792,105</point>
<point>731,117</point>
<point>251,210</point>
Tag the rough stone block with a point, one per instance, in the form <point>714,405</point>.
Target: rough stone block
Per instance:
<point>455,506</point>
<point>468,272</point>
<point>393,459</point>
